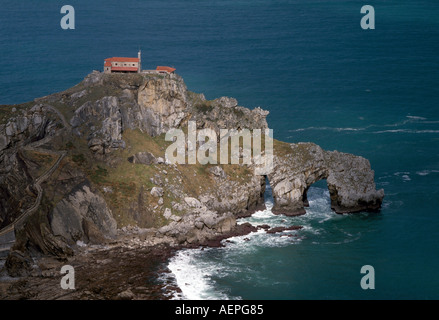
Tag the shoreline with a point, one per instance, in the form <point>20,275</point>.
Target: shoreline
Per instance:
<point>127,269</point>
<point>109,179</point>
<point>221,241</point>
<point>123,270</point>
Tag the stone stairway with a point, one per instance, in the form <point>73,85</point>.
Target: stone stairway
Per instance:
<point>7,234</point>
<point>7,240</point>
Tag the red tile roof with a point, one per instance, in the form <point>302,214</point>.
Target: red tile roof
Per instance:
<point>167,69</point>
<point>107,63</point>
<point>122,59</point>
<point>124,69</point>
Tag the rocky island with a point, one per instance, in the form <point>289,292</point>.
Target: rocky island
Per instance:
<point>84,180</point>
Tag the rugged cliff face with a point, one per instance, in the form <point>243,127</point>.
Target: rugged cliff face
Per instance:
<point>22,126</point>
<point>151,104</point>
<point>79,165</point>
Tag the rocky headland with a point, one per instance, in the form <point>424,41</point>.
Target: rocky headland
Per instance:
<point>84,172</point>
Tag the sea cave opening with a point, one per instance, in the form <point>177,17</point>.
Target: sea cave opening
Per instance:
<point>268,194</point>
<point>316,196</point>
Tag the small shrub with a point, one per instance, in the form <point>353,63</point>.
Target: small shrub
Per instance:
<point>99,175</point>
<point>204,107</point>
<point>79,158</point>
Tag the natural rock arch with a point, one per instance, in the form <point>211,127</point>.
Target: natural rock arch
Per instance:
<point>306,198</point>
<point>296,167</point>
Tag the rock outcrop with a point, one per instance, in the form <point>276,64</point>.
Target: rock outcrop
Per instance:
<point>143,158</point>
<point>24,126</point>
<point>199,226</point>
<point>162,105</point>
<point>153,105</point>
<point>83,215</point>
<point>113,174</point>
<point>350,179</point>
<point>241,198</point>
<point>351,183</point>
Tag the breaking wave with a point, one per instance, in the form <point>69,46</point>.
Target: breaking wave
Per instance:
<point>202,274</point>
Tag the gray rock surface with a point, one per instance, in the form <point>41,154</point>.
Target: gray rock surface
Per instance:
<point>167,214</point>
<point>350,180</point>
<point>218,171</point>
<point>80,211</point>
<point>154,106</point>
<point>157,192</point>
<point>126,295</point>
<point>198,226</point>
<point>192,202</point>
<point>99,112</point>
<point>351,183</point>
<point>143,158</point>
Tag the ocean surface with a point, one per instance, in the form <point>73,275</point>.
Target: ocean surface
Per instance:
<point>324,79</point>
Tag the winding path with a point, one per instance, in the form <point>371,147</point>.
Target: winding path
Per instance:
<point>7,234</point>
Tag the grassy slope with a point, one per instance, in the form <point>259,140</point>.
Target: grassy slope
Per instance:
<point>126,180</point>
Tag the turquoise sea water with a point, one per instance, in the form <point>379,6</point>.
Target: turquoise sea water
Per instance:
<point>374,93</point>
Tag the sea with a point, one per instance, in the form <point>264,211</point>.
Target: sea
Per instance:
<point>323,78</point>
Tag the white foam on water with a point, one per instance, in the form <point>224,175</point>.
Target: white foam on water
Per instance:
<point>251,242</point>
<point>405,176</point>
<point>380,128</point>
<point>401,173</point>
<point>349,129</point>
<point>195,270</point>
<point>426,172</point>
<point>406,131</point>
<point>416,118</point>
<point>193,275</point>
<point>327,129</point>
<point>266,217</point>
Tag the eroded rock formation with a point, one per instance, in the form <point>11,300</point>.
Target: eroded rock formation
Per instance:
<point>114,173</point>
<point>349,178</point>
